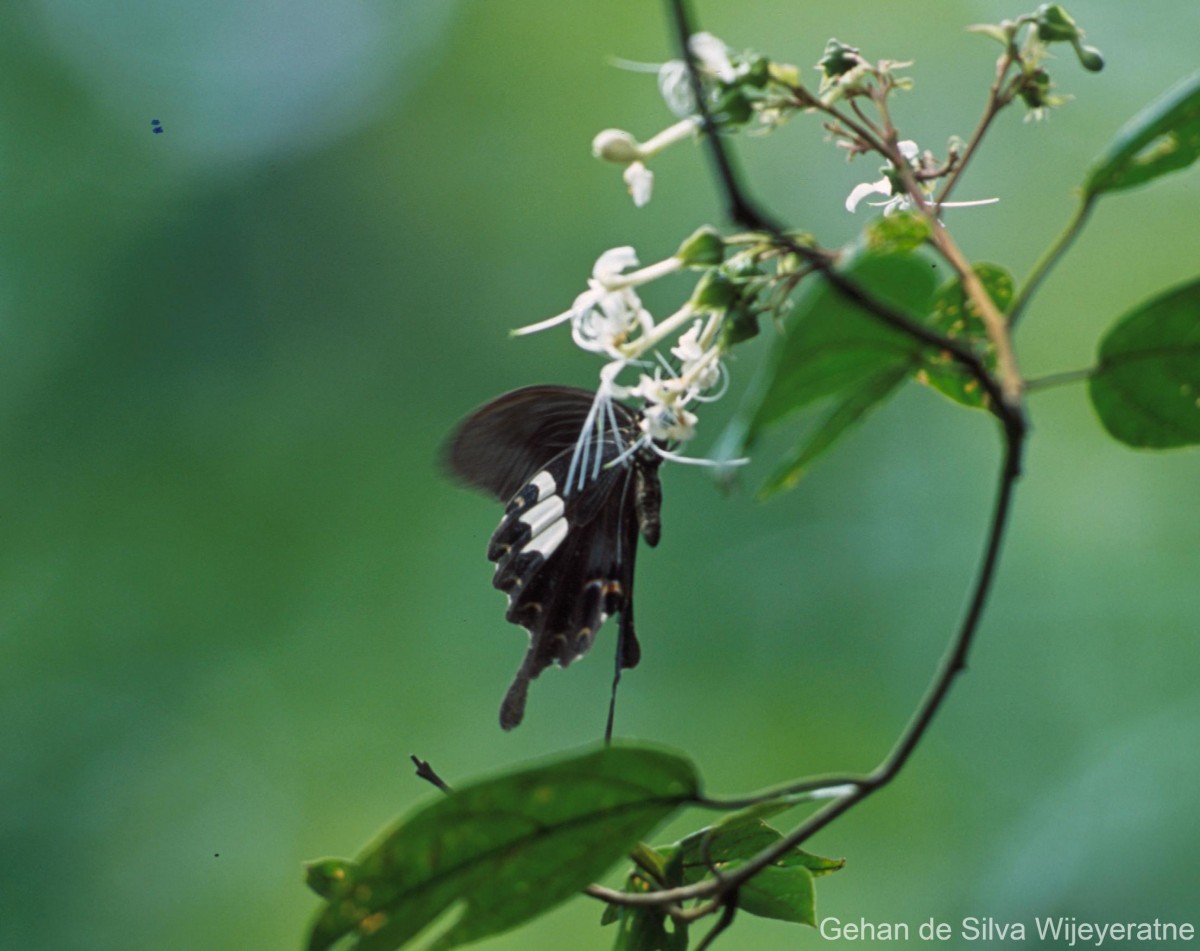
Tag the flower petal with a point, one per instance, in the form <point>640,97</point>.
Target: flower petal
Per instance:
<point>713,55</point>
<point>675,86</point>
<point>859,192</point>
<point>612,262</point>
<point>640,181</point>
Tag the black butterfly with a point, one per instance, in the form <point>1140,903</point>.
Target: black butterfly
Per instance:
<point>577,498</point>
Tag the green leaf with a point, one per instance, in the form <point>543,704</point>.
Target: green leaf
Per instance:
<point>329,878</point>
<point>504,850</point>
<point>734,839</point>
<point>1146,388</point>
<point>956,318</point>
<point>786,894</point>
<point>839,415</point>
<point>1164,137</point>
<point>836,359</point>
<point>783,890</point>
<point>902,231</point>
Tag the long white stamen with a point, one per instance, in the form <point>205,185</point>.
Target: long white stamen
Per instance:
<point>633,66</point>
<point>699,366</point>
<point>694,461</point>
<point>968,204</point>
<point>582,454</point>
<point>579,454</point>
<point>713,397</point>
<point>598,426</point>
<point>633,447</point>
<point>614,426</point>
<point>542,324</point>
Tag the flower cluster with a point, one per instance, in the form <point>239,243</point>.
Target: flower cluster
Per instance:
<point>609,319</point>
<point>734,81</point>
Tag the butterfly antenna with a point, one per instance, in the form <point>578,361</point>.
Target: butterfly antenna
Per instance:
<point>614,426</point>
<point>612,701</point>
<point>580,454</point>
<point>598,429</point>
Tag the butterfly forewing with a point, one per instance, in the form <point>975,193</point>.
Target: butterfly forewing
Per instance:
<point>504,443</point>
<point>566,546</point>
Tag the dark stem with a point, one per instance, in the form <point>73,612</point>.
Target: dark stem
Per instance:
<point>426,772</point>
<point>728,910</point>
<point>954,663</point>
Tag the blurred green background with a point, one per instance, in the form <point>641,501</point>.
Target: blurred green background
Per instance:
<point>237,593</point>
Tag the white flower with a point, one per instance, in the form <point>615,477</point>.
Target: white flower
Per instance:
<point>608,267</point>
<point>713,56</point>
<point>616,145</point>
<point>640,181</point>
<point>664,418</point>
<point>900,201</point>
<point>885,185</point>
<point>621,148</point>
<point>608,318</point>
<point>603,316</point>
<point>675,86</point>
<point>699,365</point>
<point>712,59</point>
<point>666,422</point>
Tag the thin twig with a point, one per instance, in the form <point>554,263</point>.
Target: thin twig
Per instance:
<point>426,772</point>
<point>1059,379</point>
<point>1050,258</point>
<point>995,102</point>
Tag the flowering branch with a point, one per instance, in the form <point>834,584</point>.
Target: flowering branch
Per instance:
<point>854,790</point>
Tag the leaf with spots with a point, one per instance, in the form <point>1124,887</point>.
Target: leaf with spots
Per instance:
<point>1146,387</point>
<point>1162,138</point>
<point>957,318</point>
<point>497,853</point>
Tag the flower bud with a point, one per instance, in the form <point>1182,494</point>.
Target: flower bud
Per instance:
<point>616,145</point>
<point>704,246</point>
<point>759,72</point>
<point>741,325</point>
<point>1035,92</point>
<point>714,292</point>
<point>1090,58</point>
<point>734,107</point>
<point>1054,25</point>
<point>838,60</point>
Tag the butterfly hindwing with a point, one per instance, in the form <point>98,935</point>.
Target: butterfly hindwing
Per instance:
<point>564,553</point>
